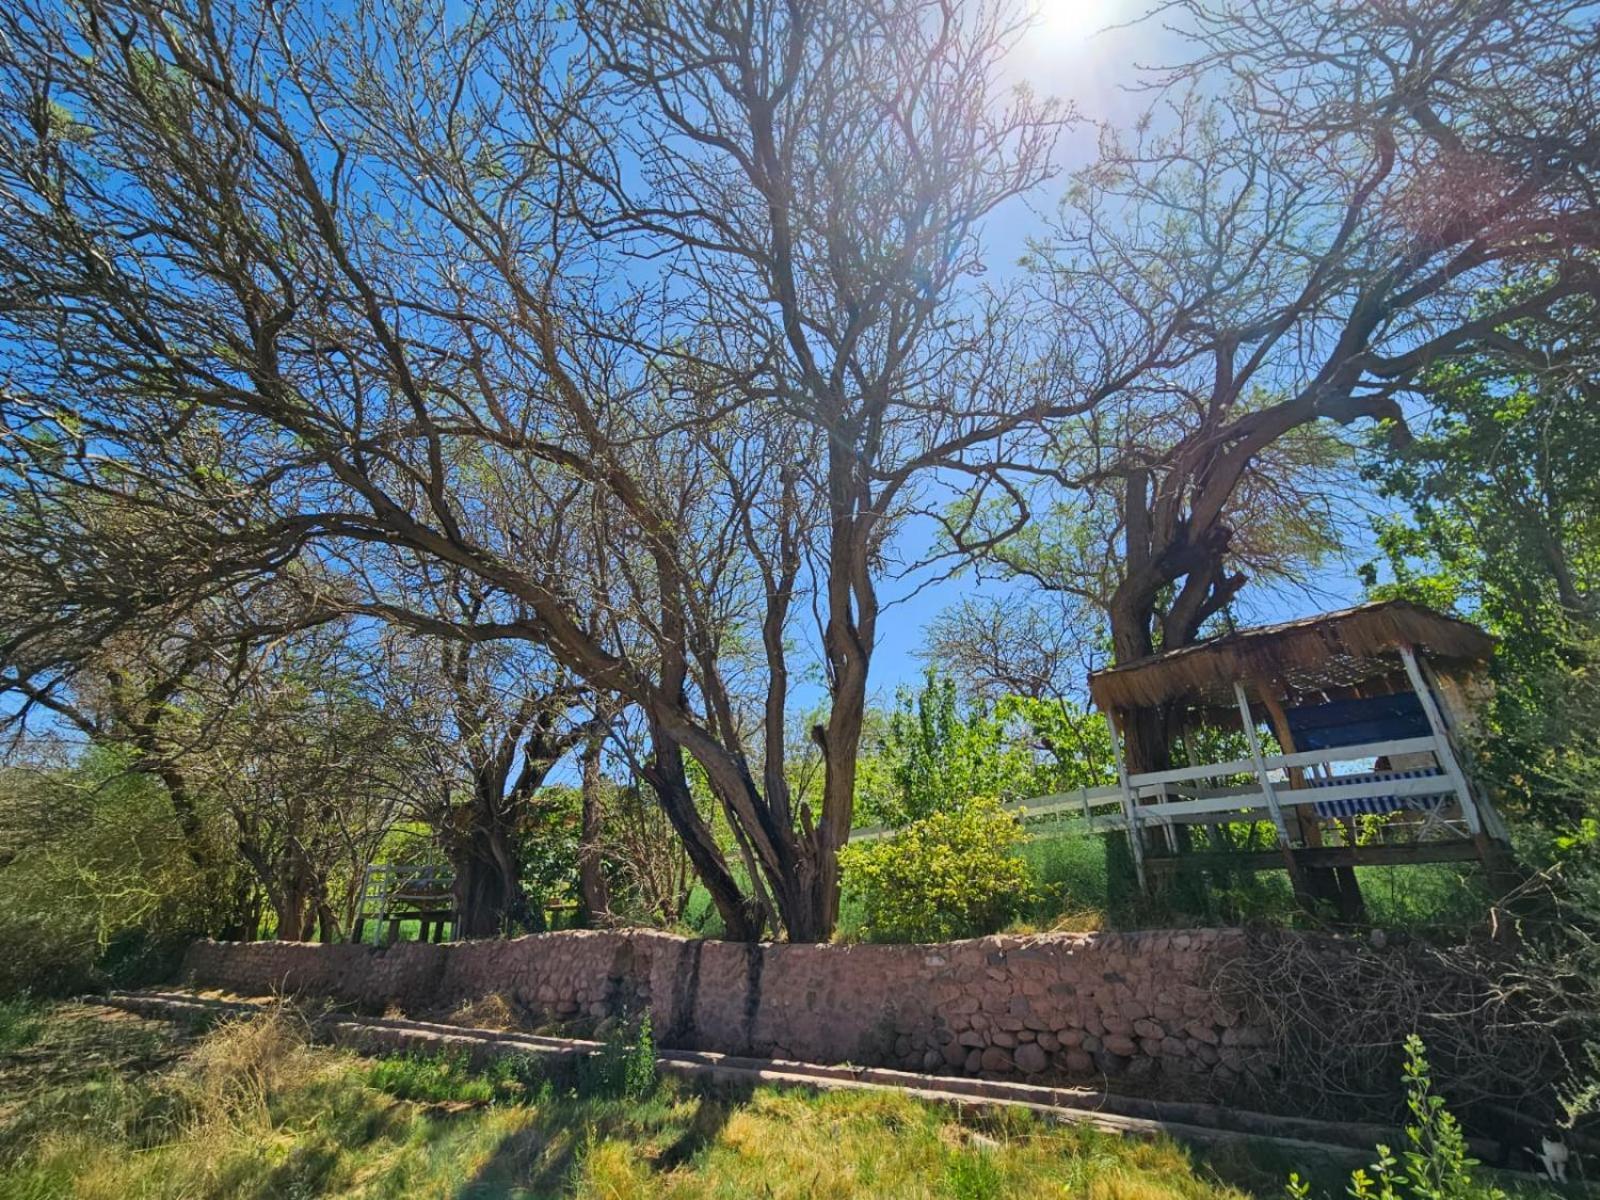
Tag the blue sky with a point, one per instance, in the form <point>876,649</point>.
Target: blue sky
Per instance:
<point>1087,52</point>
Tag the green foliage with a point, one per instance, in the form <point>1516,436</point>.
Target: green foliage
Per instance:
<point>97,883</point>
<point>1434,1165</point>
<point>973,1175</point>
<point>430,1078</point>
<point>547,844</point>
<point>933,754</point>
<point>1502,496</point>
<point>625,1066</point>
<point>951,874</point>
<point>21,1019</point>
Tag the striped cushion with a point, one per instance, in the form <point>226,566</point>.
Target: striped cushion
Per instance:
<point>1380,804</point>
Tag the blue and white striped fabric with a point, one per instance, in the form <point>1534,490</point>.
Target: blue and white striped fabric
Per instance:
<point>1380,804</point>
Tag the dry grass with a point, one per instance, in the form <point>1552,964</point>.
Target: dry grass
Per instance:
<point>252,1111</point>
<point>494,1011</point>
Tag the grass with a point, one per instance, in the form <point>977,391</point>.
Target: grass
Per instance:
<point>106,1105</point>
<point>21,1020</point>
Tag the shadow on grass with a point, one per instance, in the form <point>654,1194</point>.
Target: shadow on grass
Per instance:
<point>546,1159</point>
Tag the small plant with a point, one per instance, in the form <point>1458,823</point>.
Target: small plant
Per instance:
<point>1435,1164</point>
<point>21,1020</point>
<point>973,1175</point>
<point>624,1067</point>
<point>952,874</point>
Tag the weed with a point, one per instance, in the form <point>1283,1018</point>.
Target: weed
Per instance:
<point>21,1019</point>
<point>624,1067</point>
<point>1435,1164</point>
<point>972,1175</point>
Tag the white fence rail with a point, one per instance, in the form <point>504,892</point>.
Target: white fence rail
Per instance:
<point>1177,797</point>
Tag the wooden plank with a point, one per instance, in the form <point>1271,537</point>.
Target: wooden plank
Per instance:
<point>1446,755</point>
<point>1281,762</point>
<point>1456,850</point>
<point>1129,816</point>
<point>1269,792</point>
<point>1243,766</point>
<point>1389,749</point>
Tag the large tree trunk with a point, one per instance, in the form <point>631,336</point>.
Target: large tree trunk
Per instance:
<point>665,773</point>
<point>490,900</point>
<point>1146,745</point>
<point>848,641</point>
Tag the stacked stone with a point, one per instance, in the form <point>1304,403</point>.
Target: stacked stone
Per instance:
<point>1057,1007</point>
<point>1087,1005</point>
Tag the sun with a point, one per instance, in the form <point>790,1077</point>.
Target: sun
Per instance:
<point>1069,21</point>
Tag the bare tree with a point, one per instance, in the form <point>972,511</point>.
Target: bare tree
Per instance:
<point>491,719</point>
<point>1308,218</point>
<point>310,768</point>
<point>820,171</point>
<point>994,646</point>
<point>370,286</point>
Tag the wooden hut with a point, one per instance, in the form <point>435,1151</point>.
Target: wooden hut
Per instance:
<point>1351,726</point>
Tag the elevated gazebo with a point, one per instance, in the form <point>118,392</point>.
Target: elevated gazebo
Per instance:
<point>1367,708</point>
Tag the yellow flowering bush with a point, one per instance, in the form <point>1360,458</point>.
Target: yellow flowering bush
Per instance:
<point>951,874</point>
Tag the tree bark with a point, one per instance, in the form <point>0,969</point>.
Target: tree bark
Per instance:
<point>490,900</point>
<point>669,780</point>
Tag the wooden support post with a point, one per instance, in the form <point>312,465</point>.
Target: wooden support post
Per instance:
<point>1268,790</point>
<point>360,923</point>
<point>1494,825</point>
<point>1337,885</point>
<point>1441,736</point>
<point>1130,814</point>
<point>1310,830</point>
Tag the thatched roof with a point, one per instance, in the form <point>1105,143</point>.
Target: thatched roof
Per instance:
<point>1328,651</point>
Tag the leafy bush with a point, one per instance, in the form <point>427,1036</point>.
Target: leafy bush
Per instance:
<point>952,874</point>
<point>95,882</point>
<point>625,1066</point>
<point>1435,1165</point>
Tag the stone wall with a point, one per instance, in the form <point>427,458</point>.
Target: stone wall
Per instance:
<point>1058,1007</point>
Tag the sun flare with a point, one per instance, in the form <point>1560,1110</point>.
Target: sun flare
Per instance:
<point>1077,20</point>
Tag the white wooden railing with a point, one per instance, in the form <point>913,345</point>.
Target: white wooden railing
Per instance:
<point>1176,797</point>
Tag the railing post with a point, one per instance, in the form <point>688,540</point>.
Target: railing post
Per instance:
<point>1290,862</point>
<point>1441,736</point>
<point>1267,789</point>
<point>1130,810</point>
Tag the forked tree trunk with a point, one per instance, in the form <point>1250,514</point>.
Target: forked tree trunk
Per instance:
<point>667,777</point>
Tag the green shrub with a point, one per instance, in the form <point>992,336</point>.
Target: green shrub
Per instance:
<point>96,885</point>
<point>1435,1164</point>
<point>21,1019</point>
<point>624,1067</point>
<point>952,874</point>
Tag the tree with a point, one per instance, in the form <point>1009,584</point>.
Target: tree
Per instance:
<point>1502,520</point>
<point>371,287</point>
<point>492,718</point>
<point>310,768</point>
<point>1040,646</point>
<point>1303,225</point>
<point>935,754</point>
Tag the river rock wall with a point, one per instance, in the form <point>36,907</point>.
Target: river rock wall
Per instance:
<point>1052,1008</point>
